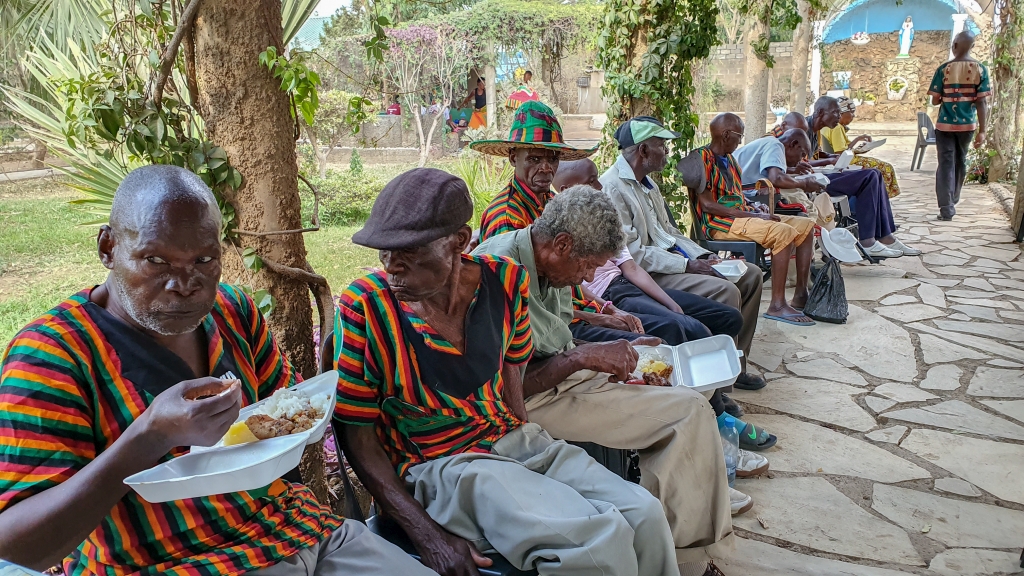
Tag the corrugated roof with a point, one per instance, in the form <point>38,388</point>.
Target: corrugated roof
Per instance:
<point>308,37</point>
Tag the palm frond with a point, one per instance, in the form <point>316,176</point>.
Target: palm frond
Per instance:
<point>294,14</point>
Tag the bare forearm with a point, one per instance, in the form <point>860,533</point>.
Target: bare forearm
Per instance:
<point>642,280</point>
<point>543,375</point>
<point>715,209</point>
<point>781,180</point>
<point>512,393</point>
<point>374,470</point>
<point>40,531</point>
<point>982,106</point>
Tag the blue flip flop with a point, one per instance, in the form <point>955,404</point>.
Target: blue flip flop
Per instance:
<point>788,319</point>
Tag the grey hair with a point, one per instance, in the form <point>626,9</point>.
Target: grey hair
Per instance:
<point>588,217</point>
<point>824,102</point>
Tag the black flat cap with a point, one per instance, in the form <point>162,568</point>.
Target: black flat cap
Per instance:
<point>416,208</point>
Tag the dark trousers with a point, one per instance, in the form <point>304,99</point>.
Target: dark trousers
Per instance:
<point>874,214</point>
<point>703,317</point>
<point>949,177</point>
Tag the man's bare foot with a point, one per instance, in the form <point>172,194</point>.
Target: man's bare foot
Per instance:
<point>800,300</point>
<point>788,314</point>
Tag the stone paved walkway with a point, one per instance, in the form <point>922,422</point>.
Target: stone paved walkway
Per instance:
<point>901,433</point>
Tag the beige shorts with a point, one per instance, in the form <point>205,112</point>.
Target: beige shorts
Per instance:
<point>773,235</point>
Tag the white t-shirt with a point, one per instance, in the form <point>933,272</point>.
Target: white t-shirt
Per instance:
<point>607,272</point>
<point>756,158</point>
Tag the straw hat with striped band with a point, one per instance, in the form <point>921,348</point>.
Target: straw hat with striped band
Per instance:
<point>533,126</point>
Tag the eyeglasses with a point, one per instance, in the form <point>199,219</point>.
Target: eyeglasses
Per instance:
<point>728,132</point>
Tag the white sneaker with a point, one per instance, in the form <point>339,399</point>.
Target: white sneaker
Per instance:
<point>751,464</point>
<point>739,501</point>
<point>907,250</point>
<point>879,250</point>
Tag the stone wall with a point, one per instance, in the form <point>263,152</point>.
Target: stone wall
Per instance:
<point>874,63</point>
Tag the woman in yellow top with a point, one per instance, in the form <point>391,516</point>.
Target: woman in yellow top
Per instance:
<point>838,140</point>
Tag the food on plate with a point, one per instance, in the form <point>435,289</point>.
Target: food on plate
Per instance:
<point>212,389</point>
<point>239,433</point>
<point>286,412</point>
<point>654,371</point>
<point>263,426</point>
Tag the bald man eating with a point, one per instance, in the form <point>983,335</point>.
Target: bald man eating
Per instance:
<point>725,214</point>
<point>100,388</point>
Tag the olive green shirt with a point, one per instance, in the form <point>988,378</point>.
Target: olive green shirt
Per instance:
<point>550,307</point>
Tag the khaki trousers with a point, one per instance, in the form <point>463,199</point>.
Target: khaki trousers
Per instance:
<point>351,549</point>
<point>775,236</point>
<point>547,505</point>
<point>674,429</point>
<point>744,295</point>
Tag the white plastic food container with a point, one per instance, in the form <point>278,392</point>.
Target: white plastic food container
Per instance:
<point>326,383</point>
<point>701,365</point>
<point>219,469</point>
<point>732,269</point>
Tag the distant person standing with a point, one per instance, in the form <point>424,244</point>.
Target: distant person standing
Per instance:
<point>479,98</point>
<point>959,88</point>
<point>395,109</point>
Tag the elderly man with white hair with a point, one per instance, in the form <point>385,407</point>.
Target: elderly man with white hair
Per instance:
<point>578,393</point>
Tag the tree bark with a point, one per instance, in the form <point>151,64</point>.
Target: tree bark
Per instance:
<point>38,154</point>
<point>756,94</point>
<point>248,115</point>
<point>1017,220</point>
<point>1008,54</point>
<point>801,52</point>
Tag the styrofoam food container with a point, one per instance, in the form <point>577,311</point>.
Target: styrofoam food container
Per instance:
<point>701,365</point>
<point>326,383</point>
<point>733,270</point>
<point>220,471</point>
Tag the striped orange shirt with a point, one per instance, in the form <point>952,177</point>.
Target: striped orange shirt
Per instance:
<point>72,382</point>
<point>380,380</point>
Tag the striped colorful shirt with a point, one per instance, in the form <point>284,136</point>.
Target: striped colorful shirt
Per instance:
<point>960,84</point>
<point>514,208</point>
<point>71,383</point>
<point>381,384</point>
<point>726,185</point>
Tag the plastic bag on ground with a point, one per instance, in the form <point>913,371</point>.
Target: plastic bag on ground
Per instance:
<point>827,300</point>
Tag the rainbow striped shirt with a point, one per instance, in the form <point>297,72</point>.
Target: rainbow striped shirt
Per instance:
<point>514,208</point>
<point>725,184</point>
<point>380,381</point>
<point>70,384</point>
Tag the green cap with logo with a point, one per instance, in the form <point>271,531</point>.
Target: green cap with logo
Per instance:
<point>640,128</point>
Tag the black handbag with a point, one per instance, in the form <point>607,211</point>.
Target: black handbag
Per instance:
<point>827,300</point>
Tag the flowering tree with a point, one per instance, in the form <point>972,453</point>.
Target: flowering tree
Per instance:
<point>424,59</point>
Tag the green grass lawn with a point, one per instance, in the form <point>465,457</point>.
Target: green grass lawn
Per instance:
<point>45,255</point>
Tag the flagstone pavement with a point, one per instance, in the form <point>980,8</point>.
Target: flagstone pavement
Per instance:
<point>901,433</point>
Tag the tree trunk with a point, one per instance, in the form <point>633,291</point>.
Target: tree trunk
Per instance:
<point>1008,54</point>
<point>321,155</point>
<point>801,51</point>
<point>248,115</point>
<point>414,108</point>
<point>38,154</point>
<point>1017,220</point>
<point>756,94</point>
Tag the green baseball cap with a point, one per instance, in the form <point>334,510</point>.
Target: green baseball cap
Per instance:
<point>641,128</point>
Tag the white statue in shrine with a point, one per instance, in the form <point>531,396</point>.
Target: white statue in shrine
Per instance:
<point>906,37</point>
